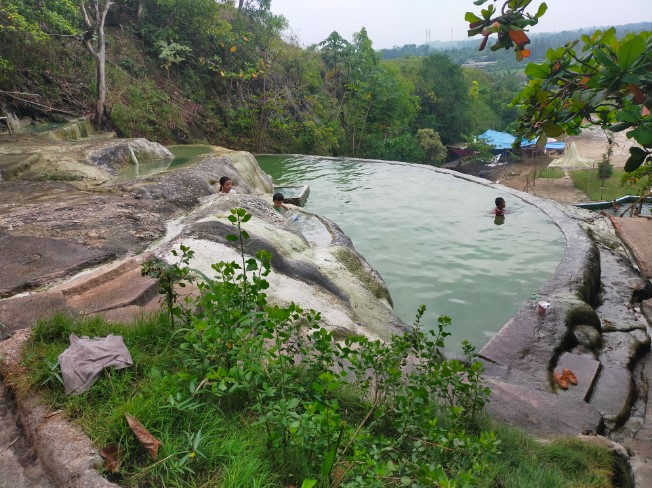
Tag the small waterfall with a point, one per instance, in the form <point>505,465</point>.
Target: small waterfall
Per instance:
<point>134,160</point>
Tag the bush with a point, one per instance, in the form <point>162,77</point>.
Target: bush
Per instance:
<point>605,169</point>
<point>146,111</point>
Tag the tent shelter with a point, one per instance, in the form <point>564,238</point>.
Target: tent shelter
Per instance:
<point>502,142</point>
<point>572,159</point>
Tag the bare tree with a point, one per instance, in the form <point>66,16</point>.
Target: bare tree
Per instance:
<point>94,13</point>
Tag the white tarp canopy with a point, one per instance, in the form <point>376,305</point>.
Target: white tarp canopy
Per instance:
<point>572,159</point>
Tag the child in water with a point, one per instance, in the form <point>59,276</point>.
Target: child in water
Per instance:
<point>278,198</point>
<point>226,185</point>
<point>500,206</point>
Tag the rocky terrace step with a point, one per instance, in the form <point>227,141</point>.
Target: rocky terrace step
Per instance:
<point>117,290</point>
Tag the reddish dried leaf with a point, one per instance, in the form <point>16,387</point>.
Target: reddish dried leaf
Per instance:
<point>639,96</point>
<point>147,440</point>
<point>111,455</point>
<point>519,37</point>
<point>483,44</point>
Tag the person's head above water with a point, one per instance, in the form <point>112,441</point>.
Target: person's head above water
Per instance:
<point>278,198</point>
<point>225,184</point>
<point>500,206</point>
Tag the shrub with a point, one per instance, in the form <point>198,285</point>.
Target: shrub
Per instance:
<point>605,168</point>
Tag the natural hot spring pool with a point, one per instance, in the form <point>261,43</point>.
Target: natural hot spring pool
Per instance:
<point>432,238</point>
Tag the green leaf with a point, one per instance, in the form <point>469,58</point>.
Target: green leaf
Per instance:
<point>604,59</point>
<point>470,17</point>
<point>542,10</point>
<point>630,51</point>
<point>327,463</point>
<point>231,238</point>
<point>475,32</point>
<point>479,2</point>
<point>488,12</point>
<point>620,127</point>
<point>636,159</point>
<point>309,483</point>
<point>553,129</point>
<point>633,163</point>
<point>642,134</point>
<point>534,70</point>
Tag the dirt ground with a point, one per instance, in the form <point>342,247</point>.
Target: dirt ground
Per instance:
<point>591,144</point>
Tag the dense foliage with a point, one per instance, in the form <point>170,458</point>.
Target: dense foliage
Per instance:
<point>192,70</point>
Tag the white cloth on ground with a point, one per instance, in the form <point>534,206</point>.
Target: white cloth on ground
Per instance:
<point>85,359</point>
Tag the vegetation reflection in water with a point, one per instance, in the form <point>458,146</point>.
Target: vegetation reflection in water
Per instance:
<point>433,238</point>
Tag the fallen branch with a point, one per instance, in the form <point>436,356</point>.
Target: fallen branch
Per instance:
<point>46,107</point>
<point>20,93</point>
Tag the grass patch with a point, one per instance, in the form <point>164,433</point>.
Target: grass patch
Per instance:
<point>564,463</point>
<point>598,189</point>
<point>552,173</point>
<point>232,453</point>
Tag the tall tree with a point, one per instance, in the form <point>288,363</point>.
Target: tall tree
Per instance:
<point>444,98</point>
<point>94,13</point>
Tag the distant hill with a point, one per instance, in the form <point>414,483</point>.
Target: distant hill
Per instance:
<point>466,51</point>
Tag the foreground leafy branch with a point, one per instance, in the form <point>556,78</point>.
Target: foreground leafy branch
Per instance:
<point>411,415</point>
<point>601,81</point>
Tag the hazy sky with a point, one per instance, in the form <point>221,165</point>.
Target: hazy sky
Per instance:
<point>396,22</point>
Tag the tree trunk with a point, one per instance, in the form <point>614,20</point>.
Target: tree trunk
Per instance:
<point>95,23</point>
<point>139,13</point>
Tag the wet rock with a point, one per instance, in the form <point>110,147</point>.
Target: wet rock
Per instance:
<point>581,313</point>
<point>622,349</point>
<point>646,309</point>
<point>588,338</point>
<point>248,170</point>
<point>586,371</point>
<point>115,154</point>
<point>313,277</point>
<point>544,414</point>
<point>619,282</point>
<point>613,395</point>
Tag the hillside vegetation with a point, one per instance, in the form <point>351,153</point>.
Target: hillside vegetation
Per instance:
<point>220,72</point>
<point>204,70</point>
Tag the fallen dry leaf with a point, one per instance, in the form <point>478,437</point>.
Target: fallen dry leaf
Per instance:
<point>111,455</point>
<point>147,440</point>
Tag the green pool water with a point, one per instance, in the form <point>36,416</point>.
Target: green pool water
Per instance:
<point>184,154</point>
<point>433,238</point>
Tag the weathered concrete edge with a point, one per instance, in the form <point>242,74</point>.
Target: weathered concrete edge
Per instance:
<point>71,464</point>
